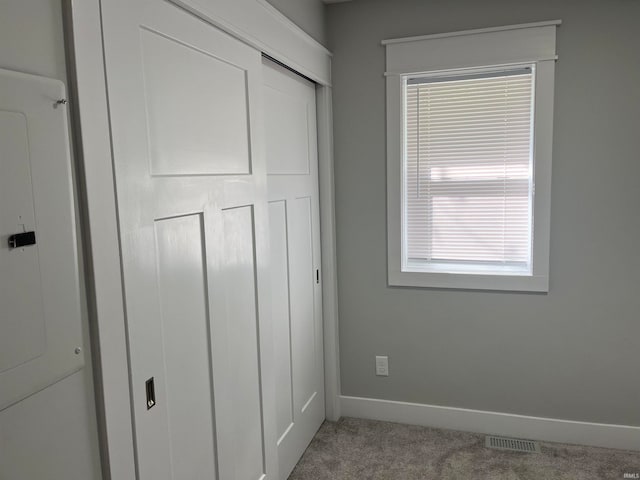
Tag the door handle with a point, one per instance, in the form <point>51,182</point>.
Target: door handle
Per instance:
<point>150,390</point>
<point>22,240</point>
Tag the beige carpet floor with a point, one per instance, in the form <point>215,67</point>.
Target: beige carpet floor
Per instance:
<point>371,450</point>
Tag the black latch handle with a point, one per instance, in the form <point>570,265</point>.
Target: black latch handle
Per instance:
<point>150,389</point>
<point>22,239</point>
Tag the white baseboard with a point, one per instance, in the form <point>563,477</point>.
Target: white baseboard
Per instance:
<point>505,424</point>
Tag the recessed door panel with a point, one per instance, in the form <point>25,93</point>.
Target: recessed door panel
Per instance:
<point>241,318</point>
<point>185,332</point>
<point>281,315</point>
<point>303,316</point>
<point>288,141</point>
<point>196,109</point>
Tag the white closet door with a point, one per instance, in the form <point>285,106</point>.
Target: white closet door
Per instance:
<point>292,166</point>
<point>184,101</point>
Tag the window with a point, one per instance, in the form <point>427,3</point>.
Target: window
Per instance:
<point>469,158</point>
<point>467,172</point>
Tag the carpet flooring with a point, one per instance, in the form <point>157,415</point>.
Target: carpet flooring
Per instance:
<point>371,450</point>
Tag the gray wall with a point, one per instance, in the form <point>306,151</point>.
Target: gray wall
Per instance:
<point>572,353</point>
<point>52,434</point>
<point>307,14</point>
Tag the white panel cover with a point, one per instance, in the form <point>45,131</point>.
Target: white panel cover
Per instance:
<point>40,329</point>
<point>22,330</point>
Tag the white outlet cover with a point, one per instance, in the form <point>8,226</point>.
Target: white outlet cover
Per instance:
<point>382,366</point>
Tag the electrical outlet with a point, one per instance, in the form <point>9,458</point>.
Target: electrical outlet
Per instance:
<point>382,366</point>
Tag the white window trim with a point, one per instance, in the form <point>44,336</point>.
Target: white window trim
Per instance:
<point>532,43</point>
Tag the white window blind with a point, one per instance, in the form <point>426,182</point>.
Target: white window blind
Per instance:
<point>468,172</point>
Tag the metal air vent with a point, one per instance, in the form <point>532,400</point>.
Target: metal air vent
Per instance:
<point>512,444</point>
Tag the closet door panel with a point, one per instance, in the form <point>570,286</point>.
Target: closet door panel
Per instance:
<point>185,105</point>
<point>292,166</point>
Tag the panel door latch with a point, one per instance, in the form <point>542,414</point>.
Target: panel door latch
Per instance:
<point>150,390</point>
<point>22,239</point>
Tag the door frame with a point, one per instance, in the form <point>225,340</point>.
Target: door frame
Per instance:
<point>258,24</point>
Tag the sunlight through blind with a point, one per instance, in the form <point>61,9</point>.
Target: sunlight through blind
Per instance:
<point>468,171</point>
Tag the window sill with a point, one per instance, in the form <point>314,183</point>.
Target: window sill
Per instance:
<point>466,281</point>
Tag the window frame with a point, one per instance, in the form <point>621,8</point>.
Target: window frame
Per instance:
<point>473,50</point>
